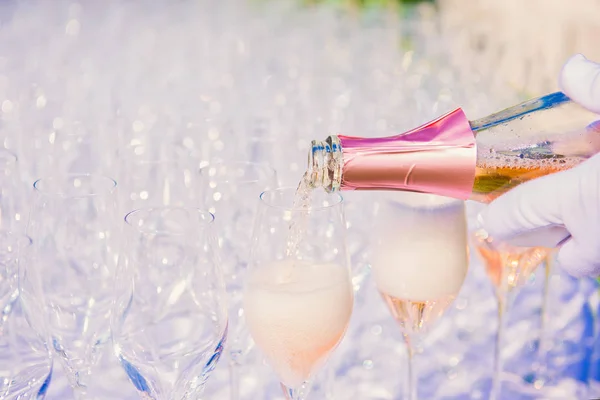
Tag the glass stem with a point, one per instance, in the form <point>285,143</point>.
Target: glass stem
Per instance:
<point>329,382</point>
<point>298,393</point>
<point>497,371</point>
<point>78,377</point>
<point>80,393</point>
<point>234,380</point>
<point>235,328</point>
<point>544,340</point>
<point>410,384</point>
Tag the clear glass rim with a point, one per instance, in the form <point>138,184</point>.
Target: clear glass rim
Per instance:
<point>16,237</point>
<point>128,219</point>
<point>482,239</point>
<point>112,185</point>
<point>337,197</point>
<point>8,157</point>
<point>266,168</point>
<point>127,152</point>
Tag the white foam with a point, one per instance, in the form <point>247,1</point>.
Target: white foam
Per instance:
<point>419,200</point>
<point>297,313</point>
<point>421,255</point>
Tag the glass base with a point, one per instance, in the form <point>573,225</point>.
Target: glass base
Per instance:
<point>298,393</point>
<point>110,382</point>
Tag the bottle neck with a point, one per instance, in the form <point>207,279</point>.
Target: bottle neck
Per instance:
<point>438,157</point>
<point>325,164</point>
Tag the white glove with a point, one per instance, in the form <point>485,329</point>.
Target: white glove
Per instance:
<point>563,208</point>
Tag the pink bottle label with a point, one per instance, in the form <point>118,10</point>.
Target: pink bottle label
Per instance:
<point>438,158</point>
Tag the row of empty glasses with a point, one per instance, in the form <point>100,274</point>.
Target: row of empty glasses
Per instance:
<point>75,224</point>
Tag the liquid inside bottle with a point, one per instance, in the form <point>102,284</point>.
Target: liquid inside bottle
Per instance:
<point>552,135</point>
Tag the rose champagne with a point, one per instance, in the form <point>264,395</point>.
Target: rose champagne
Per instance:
<point>420,257</point>
<point>297,313</point>
<point>507,266</point>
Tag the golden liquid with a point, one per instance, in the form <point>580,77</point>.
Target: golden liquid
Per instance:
<point>415,316</point>
<point>509,267</point>
<point>493,180</point>
<point>546,141</point>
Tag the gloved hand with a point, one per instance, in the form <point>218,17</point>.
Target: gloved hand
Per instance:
<point>563,208</point>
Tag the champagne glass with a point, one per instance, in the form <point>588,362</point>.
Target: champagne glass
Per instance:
<point>25,361</point>
<point>75,147</point>
<point>9,292</point>
<point>545,341</point>
<point>68,146</point>
<point>298,296</point>
<point>10,192</point>
<point>170,318</point>
<point>156,174</point>
<point>508,268</point>
<point>420,262</point>
<point>230,191</point>
<point>67,276</point>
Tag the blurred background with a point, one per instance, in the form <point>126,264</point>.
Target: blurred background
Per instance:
<point>257,80</point>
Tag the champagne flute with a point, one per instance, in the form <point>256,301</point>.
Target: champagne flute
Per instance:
<point>419,264</point>
<point>156,174</point>
<point>545,342</point>
<point>25,361</point>
<point>169,321</point>
<point>8,274</point>
<point>10,192</point>
<point>508,268</point>
<point>298,296</point>
<point>230,190</point>
<point>67,276</point>
<point>68,146</point>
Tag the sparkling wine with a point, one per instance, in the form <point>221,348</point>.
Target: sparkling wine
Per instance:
<point>414,316</point>
<point>297,313</point>
<point>455,157</point>
<point>299,221</point>
<point>509,267</point>
<point>420,257</point>
<point>497,174</point>
<point>420,253</point>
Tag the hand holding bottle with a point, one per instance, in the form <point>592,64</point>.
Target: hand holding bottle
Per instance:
<point>563,208</point>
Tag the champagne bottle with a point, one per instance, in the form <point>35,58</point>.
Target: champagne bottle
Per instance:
<point>452,156</point>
